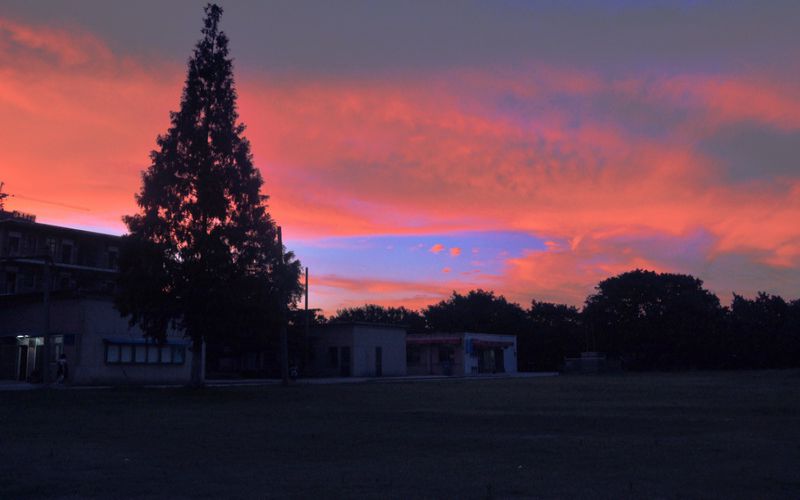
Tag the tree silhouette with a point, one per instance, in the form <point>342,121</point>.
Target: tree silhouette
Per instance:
<point>654,320</point>
<point>202,255</point>
<point>478,311</point>
<point>374,313</point>
<point>764,332</point>
<point>554,331</point>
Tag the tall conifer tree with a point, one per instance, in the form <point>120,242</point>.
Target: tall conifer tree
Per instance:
<point>202,254</point>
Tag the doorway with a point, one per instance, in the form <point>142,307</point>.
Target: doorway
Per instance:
<point>22,363</point>
<point>344,362</point>
<point>378,361</point>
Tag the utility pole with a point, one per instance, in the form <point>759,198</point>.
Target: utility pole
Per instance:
<point>284,319</point>
<point>46,322</point>
<point>306,315</point>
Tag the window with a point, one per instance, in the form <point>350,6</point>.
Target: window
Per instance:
<point>13,243</point>
<point>333,357</point>
<point>144,353</point>
<point>66,252</point>
<point>446,353</point>
<point>28,281</point>
<point>11,282</point>
<point>126,353</point>
<point>50,246</point>
<point>140,354</point>
<point>113,253</point>
<point>413,355</point>
<point>112,354</point>
<point>30,245</point>
<point>64,281</point>
<point>153,353</point>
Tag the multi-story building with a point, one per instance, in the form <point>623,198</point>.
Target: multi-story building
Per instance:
<point>77,260</point>
<point>56,297</point>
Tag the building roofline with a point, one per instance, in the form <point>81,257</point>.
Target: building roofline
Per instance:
<point>360,323</point>
<point>55,296</point>
<point>34,224</point>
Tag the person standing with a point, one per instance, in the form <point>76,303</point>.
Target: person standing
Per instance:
<point>63,369</point>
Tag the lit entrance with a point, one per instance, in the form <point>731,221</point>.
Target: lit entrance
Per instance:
<point>22,356</point>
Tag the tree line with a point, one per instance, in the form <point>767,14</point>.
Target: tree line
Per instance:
<point>644,319</point>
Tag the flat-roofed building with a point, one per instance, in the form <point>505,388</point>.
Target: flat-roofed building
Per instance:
<point>460,354</point>
<point>356,349</point>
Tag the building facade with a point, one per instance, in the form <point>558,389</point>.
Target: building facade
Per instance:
<point>68,259</point>
<point>461,354</point>
<point>56,288</point>
<point>357,350</point>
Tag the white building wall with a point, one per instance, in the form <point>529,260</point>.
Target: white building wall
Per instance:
<point>509,353</point>
<point>392,342</point>
<point>362,339</point>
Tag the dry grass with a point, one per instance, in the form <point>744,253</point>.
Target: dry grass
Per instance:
<point>701,435</point>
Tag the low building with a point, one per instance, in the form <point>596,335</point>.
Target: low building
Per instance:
<point>591,362</point>
<point>460,353</point>
<point>356,349</point>
<point>100,346</point>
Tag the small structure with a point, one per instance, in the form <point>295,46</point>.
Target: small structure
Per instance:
<point>356,349</point>
<point>461,353</point>
<point>590,362</point>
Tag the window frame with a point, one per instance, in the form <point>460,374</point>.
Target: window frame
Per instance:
<point>177,354</point>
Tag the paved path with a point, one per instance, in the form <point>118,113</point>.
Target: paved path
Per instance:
<point>375,380</point>
<point>11,385</point>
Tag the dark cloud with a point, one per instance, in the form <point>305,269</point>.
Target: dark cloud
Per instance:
<point>361,35</point>
<point>750,151</point>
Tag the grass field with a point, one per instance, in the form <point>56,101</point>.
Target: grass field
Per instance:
<point>700,435</point>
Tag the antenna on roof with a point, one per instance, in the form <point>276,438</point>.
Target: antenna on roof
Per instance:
<point>3,195</point>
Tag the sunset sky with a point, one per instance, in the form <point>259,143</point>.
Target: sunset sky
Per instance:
<point>413,148</point>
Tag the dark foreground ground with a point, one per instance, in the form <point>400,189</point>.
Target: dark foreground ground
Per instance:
<point>707,435</point>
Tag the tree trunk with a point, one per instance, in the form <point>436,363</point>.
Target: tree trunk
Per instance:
<point>197,364</point>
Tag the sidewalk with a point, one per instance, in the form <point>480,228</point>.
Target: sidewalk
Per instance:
<point>375,380</point>
<point>12,385</point>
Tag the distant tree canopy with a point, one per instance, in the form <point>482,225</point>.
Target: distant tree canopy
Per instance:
<point>379,314</point>
<point>202,253</point>
<point>553,331</point>
<point>477,311</point>
<point>648,320</point>
<point>653,320</point>
<point>763,332</point>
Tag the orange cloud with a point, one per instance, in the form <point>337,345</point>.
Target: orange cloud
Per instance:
<point>435,152</point>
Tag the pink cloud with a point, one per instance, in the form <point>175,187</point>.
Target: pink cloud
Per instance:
<point>423,154</point>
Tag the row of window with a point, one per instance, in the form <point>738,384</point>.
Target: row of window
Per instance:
<point>446,353</point>
<point>145,354</point>
<point>18,246</point>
